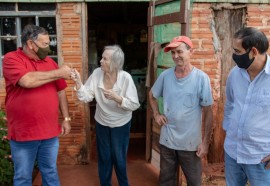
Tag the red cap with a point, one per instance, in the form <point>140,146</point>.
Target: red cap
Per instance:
<point>177,41</point>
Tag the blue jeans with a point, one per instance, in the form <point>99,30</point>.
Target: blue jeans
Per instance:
<point>170,160</point>
<point>238,174</point>
<point>112,147</point>
<point>24,155</point>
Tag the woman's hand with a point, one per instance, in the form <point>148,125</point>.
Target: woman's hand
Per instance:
<point>76,77</point>
<point>111,95</point>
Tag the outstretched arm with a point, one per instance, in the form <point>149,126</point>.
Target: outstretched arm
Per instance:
<point>37,78</point>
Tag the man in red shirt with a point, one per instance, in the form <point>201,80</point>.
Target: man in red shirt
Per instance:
<point>35,91</point>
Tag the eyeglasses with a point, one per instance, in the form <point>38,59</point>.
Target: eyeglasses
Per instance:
<point>43,44</point>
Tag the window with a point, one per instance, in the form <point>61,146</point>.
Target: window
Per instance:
<point>17,15</point>
<point>7,7</point>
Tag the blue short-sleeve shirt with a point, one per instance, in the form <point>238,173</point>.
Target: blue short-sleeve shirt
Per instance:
<point>182,102</point>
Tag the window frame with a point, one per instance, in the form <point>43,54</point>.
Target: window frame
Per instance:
<point>18,15</point>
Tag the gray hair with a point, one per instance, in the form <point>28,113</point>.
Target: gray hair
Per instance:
<point>31,32</point>
<point>117,58</point>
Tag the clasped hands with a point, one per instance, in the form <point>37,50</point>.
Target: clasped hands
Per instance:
<point>75,76</point>
<point>69,73</point>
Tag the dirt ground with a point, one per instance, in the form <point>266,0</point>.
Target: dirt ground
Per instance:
<point>213,175</point>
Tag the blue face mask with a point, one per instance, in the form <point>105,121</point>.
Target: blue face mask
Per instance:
<point>243,61</point>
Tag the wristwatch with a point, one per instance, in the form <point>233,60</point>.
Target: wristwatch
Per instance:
<point>67,118</point>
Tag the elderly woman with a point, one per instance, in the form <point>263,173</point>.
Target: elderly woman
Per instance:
<point>116,97</point>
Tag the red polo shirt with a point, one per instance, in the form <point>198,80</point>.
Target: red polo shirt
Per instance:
<point>32,113</point>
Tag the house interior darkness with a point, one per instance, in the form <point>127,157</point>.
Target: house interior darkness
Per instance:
<point>124,24</point>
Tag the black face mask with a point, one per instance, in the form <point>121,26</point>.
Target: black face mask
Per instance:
<point>243,61</point>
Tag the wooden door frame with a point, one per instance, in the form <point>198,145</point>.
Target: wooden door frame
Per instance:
<point>88,130</point>
<point>183,18</point>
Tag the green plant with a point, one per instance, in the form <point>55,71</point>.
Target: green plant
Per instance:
<point>6,165</point>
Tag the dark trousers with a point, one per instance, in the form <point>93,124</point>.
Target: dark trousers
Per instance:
<point>170,160</point>
<point>112,146</point>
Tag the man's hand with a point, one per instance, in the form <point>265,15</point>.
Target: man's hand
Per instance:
<point>202,150</point>
<point>65,128</point>
<point>65,72</point>
<point>160,119</point>
<point>266,159</point>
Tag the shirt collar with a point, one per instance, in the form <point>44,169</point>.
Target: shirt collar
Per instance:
<point>267,65</point>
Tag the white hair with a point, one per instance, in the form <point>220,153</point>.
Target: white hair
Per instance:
<point>117,58</point>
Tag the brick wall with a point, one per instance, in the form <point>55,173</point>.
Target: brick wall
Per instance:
<point>205,57</point>
<point>73,147</point>
<point>259,17</point>
<point>208,57</point>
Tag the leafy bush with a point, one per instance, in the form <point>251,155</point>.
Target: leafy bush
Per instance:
<point>6,165</point>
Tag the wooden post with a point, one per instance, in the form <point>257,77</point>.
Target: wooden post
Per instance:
<point>184,13</point>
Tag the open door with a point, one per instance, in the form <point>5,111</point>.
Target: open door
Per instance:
<point>120,23</point>
<point>166,19</point>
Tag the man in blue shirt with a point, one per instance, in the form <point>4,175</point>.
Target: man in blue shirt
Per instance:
<point>247,111</point>
<point>186,90</point>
